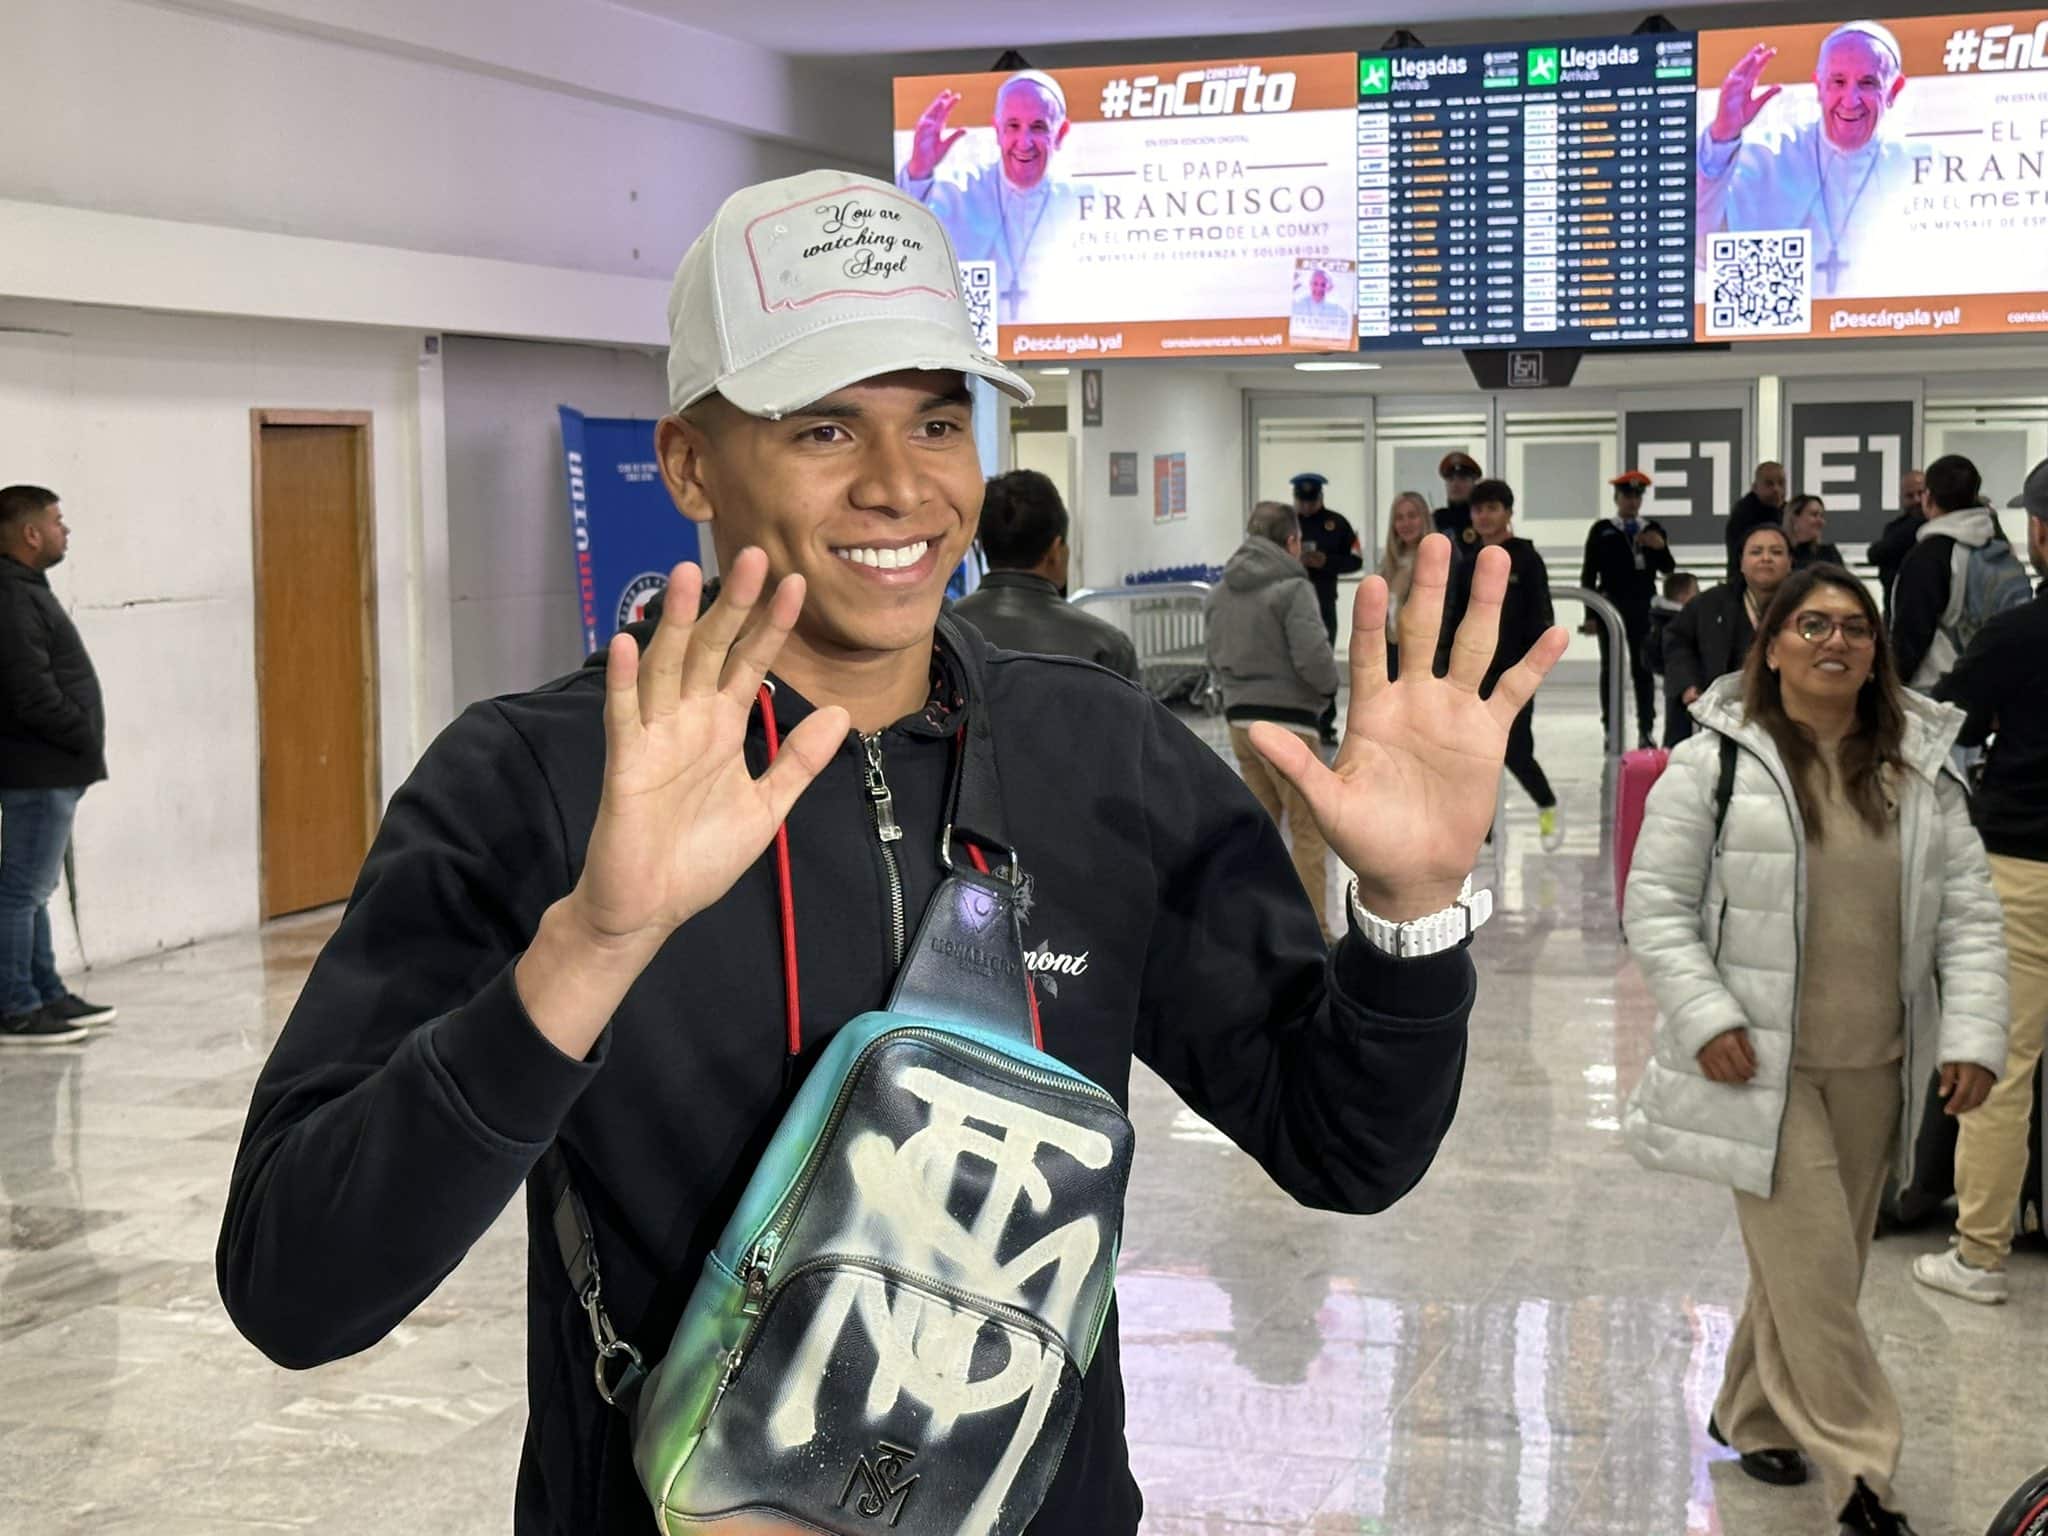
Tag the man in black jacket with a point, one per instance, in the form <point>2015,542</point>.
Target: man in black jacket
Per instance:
<point>1625,554</point>
<point>1762,504</point>
<point>1526,615</point>
<point>2002,682</point>
<point>1711,636</point>
<point>1459,472</point>
<point>1329,546</point>
<point>1889,549</point>
<point>53,745</point>
<point>567,933</point>
<point>1021,604</point>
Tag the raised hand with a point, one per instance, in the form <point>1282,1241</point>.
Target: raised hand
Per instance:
<point>1740,98</point>
<point>930,141</point>
<point>1408,801</point>
<point>681,816</point>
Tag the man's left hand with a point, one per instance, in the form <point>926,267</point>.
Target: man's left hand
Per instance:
<point>1314,559</point>
<point>1408,800</point>
<point>1650,538</point>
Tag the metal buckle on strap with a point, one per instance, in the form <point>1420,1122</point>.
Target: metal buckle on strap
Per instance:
<point>610,1346</point>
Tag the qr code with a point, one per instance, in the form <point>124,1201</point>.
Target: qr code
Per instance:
<point>978,286</point>
<point>1760,283</point>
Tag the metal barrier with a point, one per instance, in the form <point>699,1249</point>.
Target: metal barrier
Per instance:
<point>1620,700</point>
<point>1168,624</point>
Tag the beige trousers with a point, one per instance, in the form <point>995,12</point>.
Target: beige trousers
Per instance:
<point>1283,802</point>
<point>1801,1371</point>
<point>1991,1152</point>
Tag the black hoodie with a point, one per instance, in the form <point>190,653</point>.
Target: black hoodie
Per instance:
<point>409,1095</point>
<point>2002,680</point>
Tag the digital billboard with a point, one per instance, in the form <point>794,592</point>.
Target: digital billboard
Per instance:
<point>1874,178</point>
<point>1527,194</point>
<point>1166,211</point>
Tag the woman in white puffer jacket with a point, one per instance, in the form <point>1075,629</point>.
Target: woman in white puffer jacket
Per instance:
<point>1815,949</point>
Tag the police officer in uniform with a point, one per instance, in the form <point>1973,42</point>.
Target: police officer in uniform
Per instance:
<point>1459,472</point>
<point>1625,556</point>
<point>1329,546</point>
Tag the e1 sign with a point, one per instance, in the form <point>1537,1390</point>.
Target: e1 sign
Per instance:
<point>1690,457</point>
<point>1851,454</point>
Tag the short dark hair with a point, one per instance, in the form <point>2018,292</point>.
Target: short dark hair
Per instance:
<point>19,503</point>
<point>1498,491</point>
<point>1680,581</point>
<point>1953,483</point>
<point>1274,520</point>
<point>1021,514</point>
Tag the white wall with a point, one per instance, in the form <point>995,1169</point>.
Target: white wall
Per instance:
<point>506,169</point>
<point>1149,410</point>
<point>141,424</point>
<point>573,134</point>
<point>513,614</point>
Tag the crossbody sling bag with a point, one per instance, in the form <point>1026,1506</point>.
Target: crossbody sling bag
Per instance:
<point>892,1330</point>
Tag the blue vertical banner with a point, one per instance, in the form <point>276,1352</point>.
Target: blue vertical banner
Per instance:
<point>627,533</point>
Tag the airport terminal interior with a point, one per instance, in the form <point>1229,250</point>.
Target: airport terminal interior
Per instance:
<point>339,330</point>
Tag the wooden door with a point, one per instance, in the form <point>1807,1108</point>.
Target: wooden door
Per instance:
<point>315,654</point>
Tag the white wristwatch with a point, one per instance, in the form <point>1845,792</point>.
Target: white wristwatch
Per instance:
<point>1430,935</point>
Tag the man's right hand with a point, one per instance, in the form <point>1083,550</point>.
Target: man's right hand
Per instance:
<point>1741,101</point>
<point>929,140</point>
<point>681,816</point>
<point>1728,1057</point>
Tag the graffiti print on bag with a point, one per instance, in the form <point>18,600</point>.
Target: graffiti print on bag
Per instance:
<point>935,1275</point>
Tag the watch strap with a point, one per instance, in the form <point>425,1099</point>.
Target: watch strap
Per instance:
<point>1429,935</point>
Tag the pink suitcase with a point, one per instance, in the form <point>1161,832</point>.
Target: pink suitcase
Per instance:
<point>1639,770</point>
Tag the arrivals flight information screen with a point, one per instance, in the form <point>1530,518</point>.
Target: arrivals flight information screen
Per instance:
<point>1528,195</point>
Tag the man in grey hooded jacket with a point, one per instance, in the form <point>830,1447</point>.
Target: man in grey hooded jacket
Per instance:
<point>1960,572</point>
<point>1272,660</point>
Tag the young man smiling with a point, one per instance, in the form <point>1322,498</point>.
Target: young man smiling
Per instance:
<point>580,925</point>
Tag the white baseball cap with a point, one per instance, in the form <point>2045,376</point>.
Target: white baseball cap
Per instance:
<point>803,286</point>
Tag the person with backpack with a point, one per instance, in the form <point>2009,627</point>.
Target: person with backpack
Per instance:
<point>612,931</point>
<point>2002,683</point>
<point>1960,573</point>
<point>1814,916</point>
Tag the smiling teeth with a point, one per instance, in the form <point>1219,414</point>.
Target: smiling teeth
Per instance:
<point>886,559</point>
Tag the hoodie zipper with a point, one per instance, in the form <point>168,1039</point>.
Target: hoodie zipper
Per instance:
<point>887,835</point>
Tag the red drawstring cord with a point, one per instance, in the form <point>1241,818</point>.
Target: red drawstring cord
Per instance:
<point>792,1005</point>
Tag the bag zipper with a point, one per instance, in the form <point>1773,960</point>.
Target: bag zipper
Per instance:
<point>888,834</point>
<point>760,1258</point>
<point>737,1355</point>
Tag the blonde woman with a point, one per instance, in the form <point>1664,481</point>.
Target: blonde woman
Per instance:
<point>1408,524</point>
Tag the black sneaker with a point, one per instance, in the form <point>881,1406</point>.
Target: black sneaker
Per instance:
<point>1779,1468</point>
<point>73,1009</point>
<point>39,1026</point>
<point>1863,1515</point>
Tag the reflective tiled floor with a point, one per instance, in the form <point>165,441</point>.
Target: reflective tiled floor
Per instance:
<point>1529,1342</point>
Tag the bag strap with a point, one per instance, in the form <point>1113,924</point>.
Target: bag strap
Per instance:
<point>967,964</point>
<point>1724,786</point>
<point>577,1243</point>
